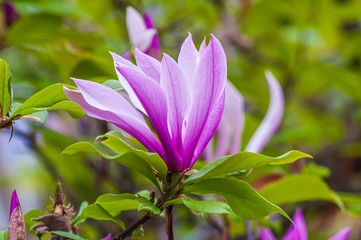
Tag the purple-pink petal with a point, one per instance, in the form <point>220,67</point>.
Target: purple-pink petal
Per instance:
<point>107,237</point>
<point>266,234</point>
<point>299,230</point>
<point>103,103</point>
<point>343,234</point>
<point>149,65</point>
<point>207,88</point>
<point>229,131</point>
<point>177,92</point>
<point>272,119</point>
<point>119,61</point>
<point>153,99</point>
<point>211,124</point>
<point>14,203</point>
<point>188,57</point>
<point>154,50</point>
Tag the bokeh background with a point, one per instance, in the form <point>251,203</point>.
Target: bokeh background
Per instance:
<point>312,47</point>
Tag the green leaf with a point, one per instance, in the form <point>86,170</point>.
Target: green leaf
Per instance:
<point>128,159</point>
<point>242,161</point>
<point>111,146</point>
<point>245,202</point>
<point>207,206</point>
<point>68,235</point>
<point>6,91</point>
<point>79,216</point>
<point>299,188</point>
<point>50,98</point>
<point>116,203</point>
<point>115,141</point>
<point>34,213</point>
<point>3,235</point>
<point>96,211</point>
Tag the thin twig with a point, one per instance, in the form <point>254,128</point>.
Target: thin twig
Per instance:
<point>127,232</point>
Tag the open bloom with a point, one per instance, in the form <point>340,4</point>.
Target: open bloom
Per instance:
<point>184,101</point>
<point>142,33</point>
<point>299,231</point>
<point>16,229</point>
<point>229,132</point>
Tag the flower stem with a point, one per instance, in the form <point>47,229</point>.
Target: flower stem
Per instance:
<point>169,224</point>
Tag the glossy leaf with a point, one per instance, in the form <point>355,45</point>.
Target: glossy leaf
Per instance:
<point>111,146</point>
<point>116,203</point>
<point>115,141</point>
<point>207,206</point>
<point>242,161</point>
<point>50,98</point>
<point>245,202</point>
<point>5,88</point>
<point>34,213</point>
<point>96,211</point>
<point>68,235</point>
<point>299,188</point>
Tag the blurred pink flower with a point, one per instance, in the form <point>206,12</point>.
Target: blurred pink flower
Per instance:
<point>229,132</point>
<point>299,230</point>
<point>184,101</point>
<point>142,33</point>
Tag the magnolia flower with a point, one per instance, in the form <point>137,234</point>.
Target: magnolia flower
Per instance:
<point>142,33</point>
<point>299,230</point>
<point>184,101</point>
<point>229,132</point>
<point>16,229</point>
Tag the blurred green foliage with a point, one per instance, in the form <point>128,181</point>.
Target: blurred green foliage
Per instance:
<point>312,47</point>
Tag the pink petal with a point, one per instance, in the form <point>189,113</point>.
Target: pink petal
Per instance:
<point>343,234</point>
<point>176,89</point>
<point>148,64</point>
<point>229,131</point>
<point>266,234</point>
<point>272,119</point>
<point>153,99</point>
<point>138,32</point>
<point>119,60</point>
<point>207,89</point>
<point>103,103</point>
<point>300,231</point>
<point>211,124</point>
<point>234,116</point>
<point>187,59</point>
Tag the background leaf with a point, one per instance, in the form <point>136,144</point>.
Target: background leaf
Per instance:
<point>5,88</point>
<point>96,211</point>
<point>245,202</point>
<point>299,188</point>
<point>242,161</point>
<point>50,98</point>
